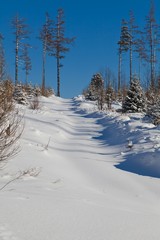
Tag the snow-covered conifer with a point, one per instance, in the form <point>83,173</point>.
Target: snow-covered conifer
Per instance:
<point>109,96</point>
<point>19,95</point>
<point>153,111</point>
<point>135,100</point>
<point>95,87</point>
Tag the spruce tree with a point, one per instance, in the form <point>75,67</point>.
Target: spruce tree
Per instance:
<point>154,112</point>
<point>109,96</point>
<point>95,87</point>
<point>135,100</point>
<point>124,46</point>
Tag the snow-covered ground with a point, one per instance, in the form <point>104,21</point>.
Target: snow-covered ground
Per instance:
<point>80,180</point>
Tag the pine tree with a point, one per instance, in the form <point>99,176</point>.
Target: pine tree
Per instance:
<point>96,90</point>
<point>19,95</point>
<point>95,87</point>
<point>124,45</point>
<point>132,40</point>
<point>21,32</point>
<point>135,100</point>
<point>109,96</point>
<point>154,112</point>
<point>59,44</point>
<point>46,38</point>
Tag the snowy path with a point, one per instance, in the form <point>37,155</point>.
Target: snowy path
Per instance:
<point>78,194</point>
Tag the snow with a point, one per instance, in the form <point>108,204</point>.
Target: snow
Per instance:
<point>75,177</point>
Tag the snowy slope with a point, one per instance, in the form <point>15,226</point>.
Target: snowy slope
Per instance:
<point>74,186</point>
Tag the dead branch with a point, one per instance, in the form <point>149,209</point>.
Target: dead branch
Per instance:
<point>32,172</point>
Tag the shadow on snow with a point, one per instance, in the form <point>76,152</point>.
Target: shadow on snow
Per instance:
<point>145,164</point>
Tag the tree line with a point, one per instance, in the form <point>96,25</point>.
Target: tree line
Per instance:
<point>142,46</point>
<point>139,46</point>
<point>54,43</point>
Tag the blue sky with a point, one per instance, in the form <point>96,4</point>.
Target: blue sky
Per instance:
<point>96,26</point>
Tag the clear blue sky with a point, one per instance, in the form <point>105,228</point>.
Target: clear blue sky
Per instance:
<point>96,26</point>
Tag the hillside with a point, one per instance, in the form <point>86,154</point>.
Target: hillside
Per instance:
<point>78,180</point>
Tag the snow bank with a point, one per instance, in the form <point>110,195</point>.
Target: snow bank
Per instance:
<point>119,128</point>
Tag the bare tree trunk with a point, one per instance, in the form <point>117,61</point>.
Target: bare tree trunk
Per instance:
<point>152,58</point>
<point>58,76</point>
<point>130,62</point>
<point>16,61</point>
<point>59,45</point>
<point>140,60</point>
<point>119,70</point>
<point>21,32</point>
<point>43,72</point>
<point>26,78</point>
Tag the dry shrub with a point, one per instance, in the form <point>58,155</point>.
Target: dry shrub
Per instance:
<point>11,126</point>
<point>49,92</point>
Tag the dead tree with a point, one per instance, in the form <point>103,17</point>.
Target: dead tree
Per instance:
<point>152,40</point>
<point>21,32</point>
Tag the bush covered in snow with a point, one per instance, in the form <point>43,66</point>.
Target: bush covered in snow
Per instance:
<point>95,87</point>
<point>24,94</point>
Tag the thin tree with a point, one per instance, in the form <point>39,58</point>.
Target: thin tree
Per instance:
<point>21,32</point>
<point>132,40</point>
<point>27,65</point>
<point>124,46</point>
<point>119,66</point>
<point>2,59</point>
<point>59,44</point>
<point>109,77</point>
<point>151,31</point>
<point>140,50</point>
<point>45,37</point>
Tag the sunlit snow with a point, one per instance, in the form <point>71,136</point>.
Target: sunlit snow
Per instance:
<point>81,181</point>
